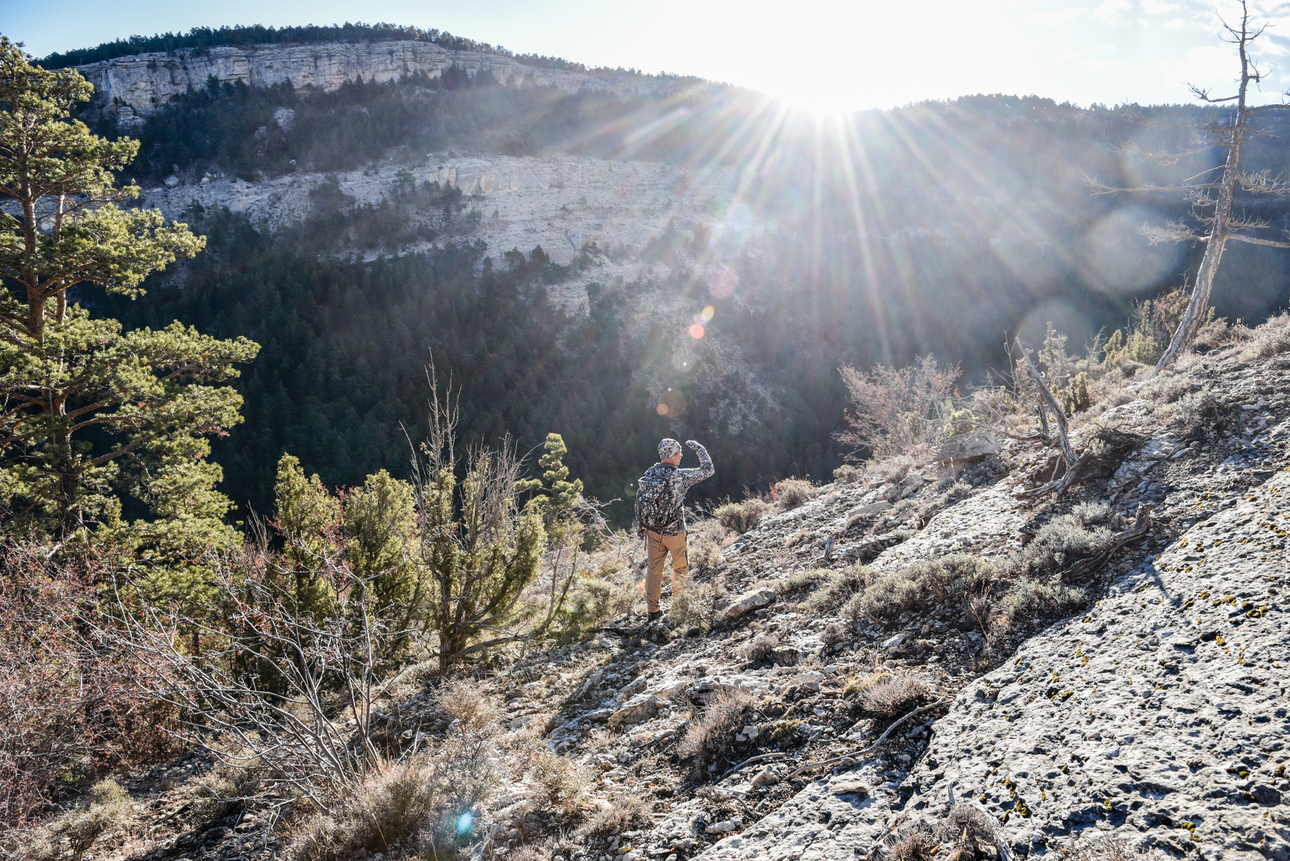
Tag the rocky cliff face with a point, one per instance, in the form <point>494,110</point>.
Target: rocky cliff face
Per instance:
<point>561,203</point>
<point>133,87</point>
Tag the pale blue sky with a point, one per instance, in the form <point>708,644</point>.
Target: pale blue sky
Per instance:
<point>824,54</point>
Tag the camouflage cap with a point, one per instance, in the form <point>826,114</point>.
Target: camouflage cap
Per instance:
<point>668,448</point>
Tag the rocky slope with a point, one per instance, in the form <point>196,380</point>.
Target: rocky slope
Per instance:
<point>133,87</point>
<point>1156,714</point>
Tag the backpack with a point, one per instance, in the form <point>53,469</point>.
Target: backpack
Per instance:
<point>653,501</point>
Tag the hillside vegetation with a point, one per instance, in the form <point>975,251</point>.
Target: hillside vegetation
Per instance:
<point>313,511</point>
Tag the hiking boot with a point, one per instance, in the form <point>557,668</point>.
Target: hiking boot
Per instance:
<point>656,616</point>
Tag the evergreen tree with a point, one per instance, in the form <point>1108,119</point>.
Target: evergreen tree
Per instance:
<point>88,411</point>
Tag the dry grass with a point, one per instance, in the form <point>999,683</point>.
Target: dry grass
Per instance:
<point>913,844</point>
<point>560,783</point>
<point>423,804</point>
<point>406,807</point>
<point>711,737</point>
<point>694,604</point>
<point>848,473</point>
<point>108,812</point>
<point>1105,848</point>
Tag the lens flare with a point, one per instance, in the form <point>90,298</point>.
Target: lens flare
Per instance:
<point>723,283</point>
<point>671,403</point>
<point>683,359</point>
<point>465,822</point>
<point>705,316</point>
<point>696,331</point>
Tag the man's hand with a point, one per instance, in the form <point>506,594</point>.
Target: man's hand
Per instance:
<point>694,444</point>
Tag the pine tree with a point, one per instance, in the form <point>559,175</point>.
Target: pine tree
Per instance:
<point>89,412</point>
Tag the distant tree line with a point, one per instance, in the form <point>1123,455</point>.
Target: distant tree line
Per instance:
<point>202,38</point>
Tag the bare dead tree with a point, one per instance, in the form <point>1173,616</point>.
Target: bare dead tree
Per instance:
<point>1212,197</point>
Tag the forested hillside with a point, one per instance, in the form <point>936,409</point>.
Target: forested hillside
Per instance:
<point>944,228</point>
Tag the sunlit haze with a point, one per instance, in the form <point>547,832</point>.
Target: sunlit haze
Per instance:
<point>820,55</point>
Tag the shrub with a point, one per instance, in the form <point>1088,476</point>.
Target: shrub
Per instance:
<point>408,806</point>
<point>560,782</point>
<point>833,636</point>
<point>1270,339</point>
<point>1105,848</point>
<point>693,604</point>
<point>848,473</point>
<point>837,587</point>
<point>1036,599</point>
<point>711,737</point>
<point>743,516</point>
<point>108,811</point>
<point>74,702</point>
<point>894,696</point>
<point>896,409</point>
<point>1065,540</point>
<point>894,467</point>
<point>614,816</point>
<point>594,599</point>
<point>792,492</point>
<point>1150,329</point>
<point>423,804</point>
<point>759,649</point>
<point>954,579</point>
<point>226,787</point>
<point>915,843</point>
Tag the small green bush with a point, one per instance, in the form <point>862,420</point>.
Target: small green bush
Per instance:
<point>953,579</point>
<point>836,588</point>
<point>1065,540</point>
<point>848,473</point>
<point>792,492</point>
<point>743,516</point>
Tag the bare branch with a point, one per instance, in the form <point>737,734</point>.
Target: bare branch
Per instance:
<point>1254,240</point>
<point>1263,182</point>
<point>1175,231</point>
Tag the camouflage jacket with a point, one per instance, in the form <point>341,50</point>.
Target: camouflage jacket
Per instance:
<point>660,494</point>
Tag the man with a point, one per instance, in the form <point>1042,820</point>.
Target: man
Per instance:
<point>660,516</point>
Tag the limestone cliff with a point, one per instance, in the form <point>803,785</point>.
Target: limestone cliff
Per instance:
<point>133,87</point>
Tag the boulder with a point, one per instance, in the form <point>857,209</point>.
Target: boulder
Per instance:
<point>749,601</point>
<point>635,710</point>
<point>870,510</point>
<point>968,446</point>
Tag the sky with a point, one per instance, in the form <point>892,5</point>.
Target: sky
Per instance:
<point>824,55</point>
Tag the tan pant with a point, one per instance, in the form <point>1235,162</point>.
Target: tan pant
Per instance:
<point>656,549</point>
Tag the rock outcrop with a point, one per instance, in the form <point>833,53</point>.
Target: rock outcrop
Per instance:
<point>136,86</point>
